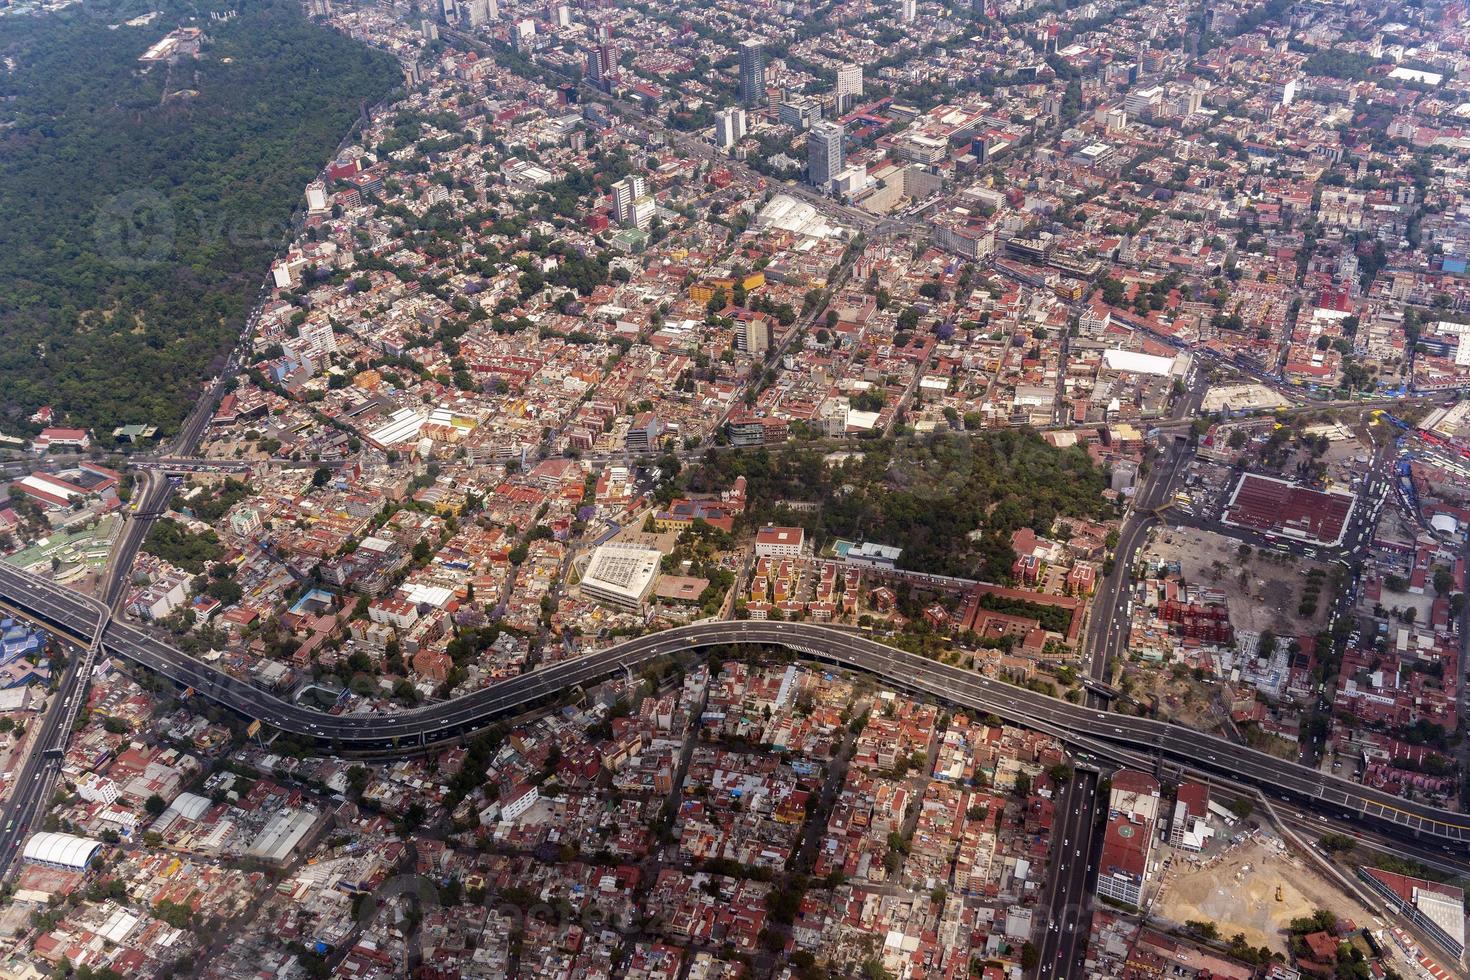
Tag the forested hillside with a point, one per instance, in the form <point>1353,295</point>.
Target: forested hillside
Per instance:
<point>139,208</point>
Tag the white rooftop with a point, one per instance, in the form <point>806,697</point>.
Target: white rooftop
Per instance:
<point>402,426</point>
<point>435,595</point>
<point>1444,911</point>
<point>64,850</point>
<point>789,214</point>
<point>621,570</point>
<point>1133,362</point>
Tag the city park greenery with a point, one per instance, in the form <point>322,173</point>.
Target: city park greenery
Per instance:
<point>951,501</point>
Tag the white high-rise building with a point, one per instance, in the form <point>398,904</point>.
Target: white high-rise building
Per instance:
<point>318,337</point>
<point>625,192</point>
<point>849,86</point>
<point>908,11</point>
<point>644,209</point>
<point>525,32</point>
<point>633,206</point>
<point>729,127</point>
<point>622,198</point>
<point>1142,102</point>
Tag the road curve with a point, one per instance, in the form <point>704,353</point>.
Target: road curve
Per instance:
<point>445,720</point>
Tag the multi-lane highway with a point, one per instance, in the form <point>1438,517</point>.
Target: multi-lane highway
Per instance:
<point>1068,913</point>
<point>37,777</point>
<point>84,620</point>
<point>155,488</point>
<point>149,499</point>
<point>445,720</point>
<point>1107,629</point>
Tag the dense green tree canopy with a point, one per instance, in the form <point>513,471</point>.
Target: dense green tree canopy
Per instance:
<point>139,208</point>
<point>950,501</point>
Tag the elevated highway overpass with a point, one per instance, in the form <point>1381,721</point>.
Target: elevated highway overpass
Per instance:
<point>1082,726</point>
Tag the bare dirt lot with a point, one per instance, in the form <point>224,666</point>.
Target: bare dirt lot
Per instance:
<point>1194,704</point>
<point>1262,591</point>
<point>1237,891</point>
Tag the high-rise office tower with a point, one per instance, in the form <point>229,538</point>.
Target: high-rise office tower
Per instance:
<point>752,71</point>
<point>823,152</point>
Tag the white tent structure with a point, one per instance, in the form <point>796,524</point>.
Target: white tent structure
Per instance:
<point>60,850</point>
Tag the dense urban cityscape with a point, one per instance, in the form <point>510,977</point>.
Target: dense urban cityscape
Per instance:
<point>883,489</point>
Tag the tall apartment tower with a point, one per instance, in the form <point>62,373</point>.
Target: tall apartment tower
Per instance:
<point>849,86</point>
<point>602,62</point>
<point>823,152</point>
<point>729,127</point>
<point>624,193</point>
<point>752,72</point>
<point>632,204</point>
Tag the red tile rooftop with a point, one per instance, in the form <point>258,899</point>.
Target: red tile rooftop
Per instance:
<point>1275,506</point>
